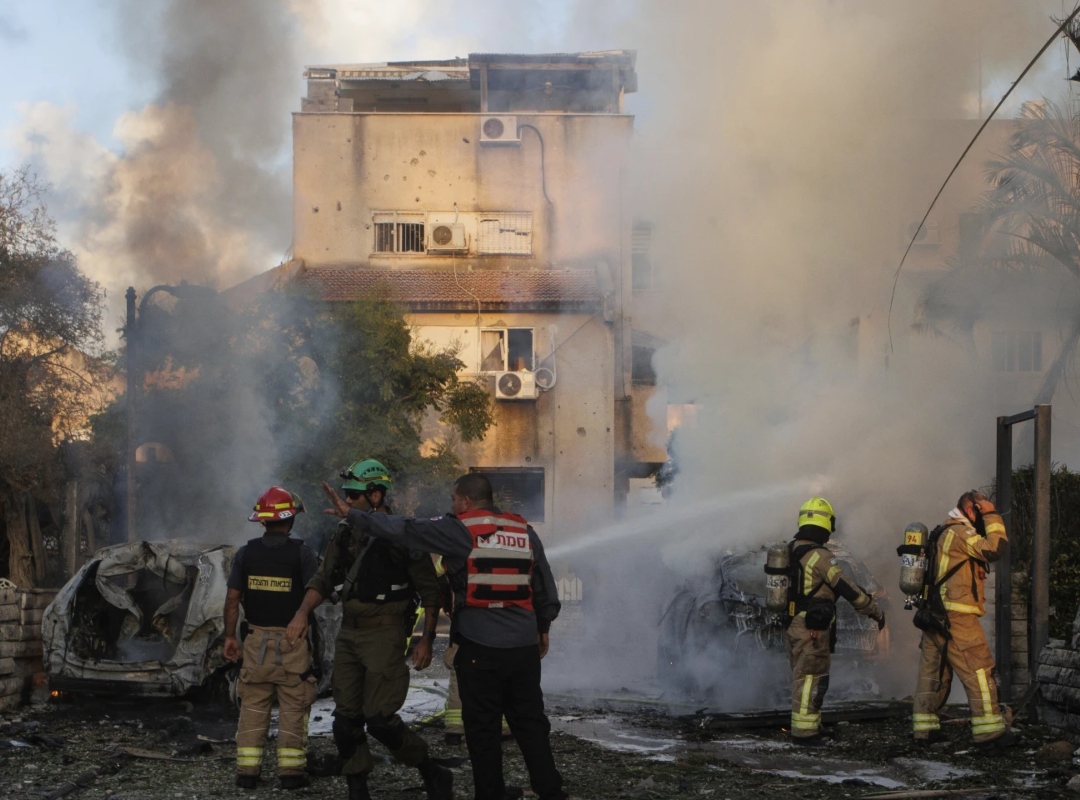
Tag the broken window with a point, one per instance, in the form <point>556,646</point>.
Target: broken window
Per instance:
<point>517,489</point>
<point>641,264</point>
<point>506,350</point>
<point>399,232</point>
<point>1016,351</point>
<point>505,233</point>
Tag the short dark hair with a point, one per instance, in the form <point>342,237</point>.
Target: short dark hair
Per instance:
<point>476,487</point>
<point>969,497</point>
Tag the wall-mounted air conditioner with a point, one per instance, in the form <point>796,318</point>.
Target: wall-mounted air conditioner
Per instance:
<point>499,130</point>
<point>929,235</point>
<point>446,237</point>
<point>516,386</point>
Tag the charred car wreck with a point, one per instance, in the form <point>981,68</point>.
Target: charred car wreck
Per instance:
<point>146,618</point>
<point>711,622</point>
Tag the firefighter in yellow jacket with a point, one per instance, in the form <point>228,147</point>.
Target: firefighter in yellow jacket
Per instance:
<point>961,549</point>
<point>817,582</point>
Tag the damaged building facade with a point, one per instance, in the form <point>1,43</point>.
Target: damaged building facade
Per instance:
<point>486,196</point>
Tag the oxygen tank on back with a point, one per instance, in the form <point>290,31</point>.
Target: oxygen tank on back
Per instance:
<point>777,578</point>
<point>913,563</point>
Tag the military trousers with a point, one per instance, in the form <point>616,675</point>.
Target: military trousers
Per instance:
<point>274,669</point>
<point>966,653</point>
<point>371,681</point>
<point>810,659</point>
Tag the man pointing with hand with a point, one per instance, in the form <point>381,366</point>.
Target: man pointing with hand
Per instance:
<point>371,679</point>
<point>505,600</point>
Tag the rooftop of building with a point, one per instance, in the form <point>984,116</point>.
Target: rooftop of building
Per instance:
<point>590,82</point>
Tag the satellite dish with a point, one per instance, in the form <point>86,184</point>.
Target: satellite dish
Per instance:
<point>545,378</point>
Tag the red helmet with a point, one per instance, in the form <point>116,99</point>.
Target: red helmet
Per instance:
<point>276,504</point>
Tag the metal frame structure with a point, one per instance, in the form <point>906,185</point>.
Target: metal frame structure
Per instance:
<point>1039,604</point>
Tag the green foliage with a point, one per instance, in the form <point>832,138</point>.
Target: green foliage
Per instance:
<point>1064,539</point>
<point>290,391</point>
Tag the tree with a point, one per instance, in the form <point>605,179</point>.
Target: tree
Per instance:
<point>51,374</point>
<point>1030,237</point>
<point>289,391</point>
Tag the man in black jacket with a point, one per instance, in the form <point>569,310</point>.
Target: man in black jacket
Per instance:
<point>505,600</point>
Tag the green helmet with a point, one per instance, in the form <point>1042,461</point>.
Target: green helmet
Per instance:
<point>366,474</point>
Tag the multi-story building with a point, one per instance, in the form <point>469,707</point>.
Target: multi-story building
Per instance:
<point>486,195</point>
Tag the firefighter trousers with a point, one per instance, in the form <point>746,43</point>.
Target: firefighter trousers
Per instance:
<point>810,660</point>
<point>274,669</point>
<point>371,680</point>
<point>967,654</point>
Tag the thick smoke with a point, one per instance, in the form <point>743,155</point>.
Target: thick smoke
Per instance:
<point>784,150</point>
<point>200,187</point>
<point>781,150</point>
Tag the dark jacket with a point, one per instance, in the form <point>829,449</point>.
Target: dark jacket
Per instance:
<point>447,536</point>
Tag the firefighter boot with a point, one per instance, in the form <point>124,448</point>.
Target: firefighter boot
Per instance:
<point>357,787</point>
<point>438,781</point>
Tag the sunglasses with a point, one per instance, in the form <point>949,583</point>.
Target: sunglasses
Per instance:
<point>353,494</point>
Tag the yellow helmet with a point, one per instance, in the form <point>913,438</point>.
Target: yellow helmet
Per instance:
<point>816,511</point>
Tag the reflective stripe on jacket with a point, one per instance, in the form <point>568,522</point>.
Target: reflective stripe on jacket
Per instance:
<point>965,590</point>
<point>499,567</point>
<point>822,577</point>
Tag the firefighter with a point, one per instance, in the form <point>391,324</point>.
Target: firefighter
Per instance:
<point>816,583</point>
<point>268,576</point>
<point>961,549</point>
<point>371,677</point>
<point>505,600</point>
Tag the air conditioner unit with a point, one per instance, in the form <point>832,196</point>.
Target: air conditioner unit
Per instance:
<point>446,237</point>
<point>516,386</point>
<point>929,235</point>
<point>499,130</point>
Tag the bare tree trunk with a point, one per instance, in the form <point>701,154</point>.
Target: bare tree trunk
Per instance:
<point>69,541</point>
<point>20,560</point>
<point>37,544</point>
<point>92,545</point>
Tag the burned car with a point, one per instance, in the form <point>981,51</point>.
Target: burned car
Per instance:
<point>147,618</point>
<point>723,621</point>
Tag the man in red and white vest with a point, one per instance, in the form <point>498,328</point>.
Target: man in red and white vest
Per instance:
<point>505,600</point>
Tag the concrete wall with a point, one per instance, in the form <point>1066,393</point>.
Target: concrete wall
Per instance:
<point>568,431</point>
<point>348,166</point>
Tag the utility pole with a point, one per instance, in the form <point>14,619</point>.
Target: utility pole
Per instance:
<point>130,337</point>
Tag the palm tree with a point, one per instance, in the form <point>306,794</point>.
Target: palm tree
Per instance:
<point>1030,237</point>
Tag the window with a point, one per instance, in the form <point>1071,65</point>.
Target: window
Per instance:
<point>1016,351</point>
<point>641,367</point>
<point>517,489</point>
<point>399,232</point>
<point>506,349</point>
<point>504,232</point>
<point>641,264</point>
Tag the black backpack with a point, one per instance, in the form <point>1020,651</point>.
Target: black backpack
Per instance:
<point>932,615</point>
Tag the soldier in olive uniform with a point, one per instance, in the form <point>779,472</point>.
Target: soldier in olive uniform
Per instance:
<point>371,678</point>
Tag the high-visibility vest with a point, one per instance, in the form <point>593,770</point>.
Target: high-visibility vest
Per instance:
<point>500,565</point>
